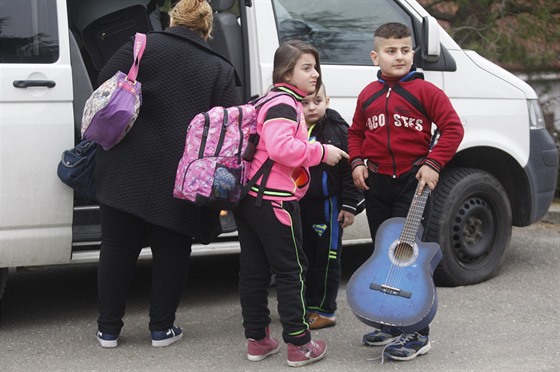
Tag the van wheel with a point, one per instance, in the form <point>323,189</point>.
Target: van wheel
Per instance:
<point>470,218</point>
<point>3,280</point>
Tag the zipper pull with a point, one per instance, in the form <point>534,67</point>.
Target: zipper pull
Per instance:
<point>388,92</point>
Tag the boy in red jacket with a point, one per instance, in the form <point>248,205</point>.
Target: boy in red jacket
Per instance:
<point>389,147</point>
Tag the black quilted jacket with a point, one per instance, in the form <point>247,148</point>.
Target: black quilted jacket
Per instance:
<point>181,77</point>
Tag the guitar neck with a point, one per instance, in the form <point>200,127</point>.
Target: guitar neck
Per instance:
<point>414,216</point>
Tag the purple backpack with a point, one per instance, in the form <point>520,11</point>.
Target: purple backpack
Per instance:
<point>219,145</point>
<point>112,109</point>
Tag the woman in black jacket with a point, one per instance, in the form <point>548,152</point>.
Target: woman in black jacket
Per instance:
<point>181,77</point>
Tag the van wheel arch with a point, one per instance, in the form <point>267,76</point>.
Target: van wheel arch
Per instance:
<point>470,217</point>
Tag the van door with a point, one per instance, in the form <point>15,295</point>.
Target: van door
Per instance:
<point>36,126</point>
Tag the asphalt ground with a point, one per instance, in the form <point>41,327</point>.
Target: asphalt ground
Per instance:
<point>508,323</point>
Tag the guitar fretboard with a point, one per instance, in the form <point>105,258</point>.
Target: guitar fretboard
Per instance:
<point>414,216</point>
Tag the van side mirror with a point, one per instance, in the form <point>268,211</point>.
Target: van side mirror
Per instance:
<point>431,47</point>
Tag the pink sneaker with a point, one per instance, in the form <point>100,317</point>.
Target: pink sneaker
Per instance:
<point>312,351</point>
<point>260,349</point>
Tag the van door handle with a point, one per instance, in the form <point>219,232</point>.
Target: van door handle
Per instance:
<point>34,83</point>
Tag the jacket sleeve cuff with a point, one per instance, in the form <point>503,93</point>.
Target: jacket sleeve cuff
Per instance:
<point>356,162</point>
<point>433,164</point>
<point>349,208</point>
<point>324,153</point>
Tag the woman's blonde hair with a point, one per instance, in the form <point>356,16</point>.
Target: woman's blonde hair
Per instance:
<point>195,15</point>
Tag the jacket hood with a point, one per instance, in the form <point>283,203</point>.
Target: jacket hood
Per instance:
<point>334,116</point>
<point>412,75</point>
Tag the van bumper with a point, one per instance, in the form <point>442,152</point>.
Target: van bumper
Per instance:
<point>542,173</point>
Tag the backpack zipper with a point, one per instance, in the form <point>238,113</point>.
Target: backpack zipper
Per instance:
<point>222,133</point>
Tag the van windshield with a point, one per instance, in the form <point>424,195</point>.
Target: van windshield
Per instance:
<point>342,31</point>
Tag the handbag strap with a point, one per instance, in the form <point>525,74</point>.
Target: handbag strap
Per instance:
<point>139,46</point>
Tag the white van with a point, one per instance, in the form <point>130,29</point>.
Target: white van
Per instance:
<point>503,174</point>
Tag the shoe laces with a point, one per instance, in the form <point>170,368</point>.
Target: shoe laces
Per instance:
<point>401,341</point>
<point>307,349</point>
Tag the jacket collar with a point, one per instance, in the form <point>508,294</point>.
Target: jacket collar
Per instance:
<point>291,90</point>
<point>186,34</point>
<point>412,75</point>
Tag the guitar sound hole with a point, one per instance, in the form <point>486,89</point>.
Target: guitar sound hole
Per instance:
<point>403,252</point>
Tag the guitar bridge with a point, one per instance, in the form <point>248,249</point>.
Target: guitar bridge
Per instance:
<point>390,290</point>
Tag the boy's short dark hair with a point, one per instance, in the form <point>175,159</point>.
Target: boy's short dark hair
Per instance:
<point>392,30</point>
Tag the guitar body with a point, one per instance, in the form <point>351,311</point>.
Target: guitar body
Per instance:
<point>395,286</point>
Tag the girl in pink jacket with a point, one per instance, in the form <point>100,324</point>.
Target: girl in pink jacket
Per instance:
<point>270,228</point>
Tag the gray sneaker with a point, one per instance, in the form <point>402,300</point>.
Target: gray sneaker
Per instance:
<point>407,347</point>
<point>379,338</point>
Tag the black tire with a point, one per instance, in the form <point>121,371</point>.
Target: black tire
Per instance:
<point>470,218</point>
<point>3,280</point>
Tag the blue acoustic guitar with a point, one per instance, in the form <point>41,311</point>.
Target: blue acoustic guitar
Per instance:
<point>395,286</point>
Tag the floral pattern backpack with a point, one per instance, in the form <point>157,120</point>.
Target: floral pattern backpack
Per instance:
<point>219,145</point>
<point>112,109</point>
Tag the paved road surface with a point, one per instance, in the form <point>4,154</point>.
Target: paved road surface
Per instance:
<point>509,323</point>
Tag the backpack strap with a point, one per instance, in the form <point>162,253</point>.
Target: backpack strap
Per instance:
<point>266,167</point>
<point>263,171</point>
<point>139,47</point>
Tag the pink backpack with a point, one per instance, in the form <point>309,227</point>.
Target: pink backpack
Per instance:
<point>213,169</point>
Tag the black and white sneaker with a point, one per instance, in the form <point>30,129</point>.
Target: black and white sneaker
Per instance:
<point>107,340</point>
<point>167,337</point>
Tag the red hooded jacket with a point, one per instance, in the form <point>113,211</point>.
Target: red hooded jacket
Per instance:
<point>392,124</point>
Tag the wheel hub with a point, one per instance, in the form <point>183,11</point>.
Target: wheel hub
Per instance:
<point>474,230</point>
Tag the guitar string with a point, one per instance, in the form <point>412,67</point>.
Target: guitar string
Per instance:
<point>406,241</point>
<point>398,252</point>
<point>409,233</point>
<point>405,247</point>
<point>417,210</point>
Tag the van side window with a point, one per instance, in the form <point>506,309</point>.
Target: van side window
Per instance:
<point>342,31</point>
<point>28,31</point>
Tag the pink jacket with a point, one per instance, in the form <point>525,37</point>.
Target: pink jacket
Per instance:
<point>283,138</point>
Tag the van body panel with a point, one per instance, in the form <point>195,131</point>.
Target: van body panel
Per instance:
<point>40,246</point>
<point>502,74</point>
<point>36,126</point>
<point>491,123</point>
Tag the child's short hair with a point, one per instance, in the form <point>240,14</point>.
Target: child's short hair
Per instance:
<point>392,30</point>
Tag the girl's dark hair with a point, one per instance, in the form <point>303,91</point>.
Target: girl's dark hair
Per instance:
<point>287,55</point>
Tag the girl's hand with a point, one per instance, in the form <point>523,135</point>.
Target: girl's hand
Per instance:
<point>333,155</point>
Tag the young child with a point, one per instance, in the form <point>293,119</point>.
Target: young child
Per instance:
<point>270,229</point>
<point>329,205</point>
<point>391,129</point>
